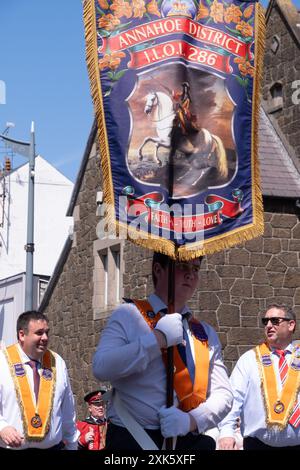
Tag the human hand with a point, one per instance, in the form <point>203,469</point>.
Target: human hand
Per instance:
<point>11,437</point>
<point>171,327</point>
<point>174,422</point>
<point>227,443</point>
<point>89,436</point>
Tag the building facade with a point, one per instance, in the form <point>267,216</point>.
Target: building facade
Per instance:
<point>236,285</point>
<point>51,226</point>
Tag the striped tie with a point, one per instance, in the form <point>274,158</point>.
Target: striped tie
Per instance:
<point>283,366</point>
<point>283,371</point>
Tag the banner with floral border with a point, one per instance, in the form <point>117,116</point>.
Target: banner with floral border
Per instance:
<point>175,85</point>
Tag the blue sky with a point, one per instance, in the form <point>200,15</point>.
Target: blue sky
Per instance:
<point>42,62</point>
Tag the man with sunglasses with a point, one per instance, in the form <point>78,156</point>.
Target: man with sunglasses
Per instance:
<point>266,383</point>
<point>131,355</point>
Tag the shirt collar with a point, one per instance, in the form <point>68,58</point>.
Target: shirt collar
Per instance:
<point>289,348</point>
<point>157,304</point>
<point>25,358</point>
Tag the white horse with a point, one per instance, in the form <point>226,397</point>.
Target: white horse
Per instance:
<point>200,145</point>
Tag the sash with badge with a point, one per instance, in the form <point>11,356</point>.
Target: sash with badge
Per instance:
<point>35,417</point>
<point>190,394</point>
<point>279,406</point>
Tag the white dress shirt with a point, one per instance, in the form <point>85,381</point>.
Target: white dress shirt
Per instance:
<point>248,404</point>
<point>63,419</point>
<point>129,357</point>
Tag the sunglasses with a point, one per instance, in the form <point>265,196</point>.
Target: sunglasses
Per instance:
<point>274,320</point>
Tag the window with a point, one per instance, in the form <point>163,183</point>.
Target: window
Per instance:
<point>43,284</point>
<point>275,101</point>
<point>107,277</point>
<point>275,44</point>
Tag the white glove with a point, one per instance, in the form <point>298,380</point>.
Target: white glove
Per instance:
<point>174,422</point>
<point>171,326</point>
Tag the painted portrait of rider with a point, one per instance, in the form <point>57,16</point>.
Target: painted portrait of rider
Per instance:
<point>184,119</point>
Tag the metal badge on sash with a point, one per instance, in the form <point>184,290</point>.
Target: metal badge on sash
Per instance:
<point>150,314</point>
<point>36,421</point>
<point>278,407</point>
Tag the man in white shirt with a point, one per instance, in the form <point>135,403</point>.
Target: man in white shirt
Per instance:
<point>130,356</point>
<point>265,383</point>
<point>36,401</point>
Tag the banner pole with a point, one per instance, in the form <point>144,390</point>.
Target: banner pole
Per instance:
<point>170,359</point>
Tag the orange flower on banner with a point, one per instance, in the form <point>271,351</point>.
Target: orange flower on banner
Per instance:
<point>112,60</point>
<point>244,66</point>
<point>108,22</point>
<point>245,29</point>
<point>217,11</point>
<point>248,11</point>
<point>232,14</point>
<point>203,12</point>
<point>138,8</point>
<point>152,8</point>
<point>103,4</point>
<point>121,8</point>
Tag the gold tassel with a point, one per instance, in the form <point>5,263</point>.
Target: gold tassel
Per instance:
<point>146,240</point>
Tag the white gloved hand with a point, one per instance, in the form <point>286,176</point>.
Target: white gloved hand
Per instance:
<point>174,422</point>
<point>171,326</point>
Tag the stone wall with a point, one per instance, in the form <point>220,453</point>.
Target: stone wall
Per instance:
<point>237,285</point>
<point>74,332</point>
<point>283,67</point>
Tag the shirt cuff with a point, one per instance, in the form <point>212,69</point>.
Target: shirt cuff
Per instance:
<point>3,424</point>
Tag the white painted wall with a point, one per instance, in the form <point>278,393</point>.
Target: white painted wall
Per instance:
<point>52,195</point>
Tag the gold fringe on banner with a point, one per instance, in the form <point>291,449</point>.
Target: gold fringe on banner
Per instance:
<point>150,241</point>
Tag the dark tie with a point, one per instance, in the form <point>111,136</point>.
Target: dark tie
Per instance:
<point>185,351</point>
<point>36,378</point>
<point>186,355</point>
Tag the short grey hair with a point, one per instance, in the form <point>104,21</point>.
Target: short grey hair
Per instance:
<point>288,311</point>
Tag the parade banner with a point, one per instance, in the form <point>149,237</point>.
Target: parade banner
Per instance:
<point>175,84</point>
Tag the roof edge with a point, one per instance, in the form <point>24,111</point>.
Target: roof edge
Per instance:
<point>289,13</point>
<point>56,273</point>
<point>282,137</point>
<point>81,171</point>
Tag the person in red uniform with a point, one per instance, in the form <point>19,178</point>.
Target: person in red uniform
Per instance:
<point>93,428</point>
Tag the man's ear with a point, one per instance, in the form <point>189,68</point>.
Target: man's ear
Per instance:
<point>157,269</point>
<point>21,335</point>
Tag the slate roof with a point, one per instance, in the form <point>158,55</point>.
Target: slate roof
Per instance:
<point>289,13</point>
<point>280,176</point>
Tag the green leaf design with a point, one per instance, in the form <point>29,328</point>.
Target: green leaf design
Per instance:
<point>119,75</point>
<point>209,2</point>
<point>241,81</point>
<point>104,33</point>
<point>141,47</point>
<point>120,28</point>
<point>221,51</point>
<point>233,31</point>
<point>110,75</point>
<point>102,13</point>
